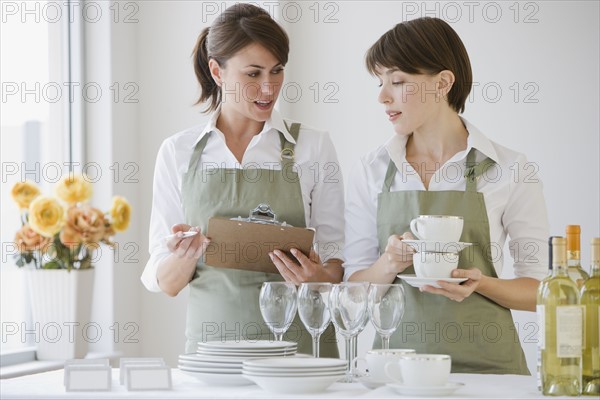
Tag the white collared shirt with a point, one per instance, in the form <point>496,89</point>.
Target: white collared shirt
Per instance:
<point>315,161</point>
<point>511,188</point>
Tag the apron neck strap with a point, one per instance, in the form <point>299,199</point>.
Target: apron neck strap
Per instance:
<point>198,151</point>
<point>475,169</point>
<point>389,176</point>
<point>287,148</point>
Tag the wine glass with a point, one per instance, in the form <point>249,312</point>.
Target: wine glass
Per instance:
<point>313,307</point>
<point>386,308</point>
<point>348,307</point>
<point>278,302</point>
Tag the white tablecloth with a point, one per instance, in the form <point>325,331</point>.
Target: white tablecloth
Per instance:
<point>49,385</point>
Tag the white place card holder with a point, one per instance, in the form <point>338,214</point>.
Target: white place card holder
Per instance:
<point>148,377</point>
<point>123,362</point>
<point>83,361</point>
<point>88,377</point>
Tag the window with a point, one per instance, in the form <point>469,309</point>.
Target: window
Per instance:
<point>38,121</point>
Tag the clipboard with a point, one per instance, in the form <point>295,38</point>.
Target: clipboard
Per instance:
<point>245,243</point>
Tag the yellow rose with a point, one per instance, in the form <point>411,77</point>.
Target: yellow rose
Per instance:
<point>46,216</point>
<point>74,188</point>
<point>120,213</point>
<point>24,192</point>
<point>28,240</point>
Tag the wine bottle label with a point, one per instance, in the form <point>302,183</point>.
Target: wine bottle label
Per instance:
<point>569,331</point>
<point>541,318</point>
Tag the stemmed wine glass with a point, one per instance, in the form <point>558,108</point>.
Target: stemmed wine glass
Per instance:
<point>278,303</point>
<point>348,307</point>
<point>313,307</point>
<point>386,308</point>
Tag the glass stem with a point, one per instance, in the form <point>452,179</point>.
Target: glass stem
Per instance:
<point>316,343</point>
<point>349,351</point>
<point>278,337</point>
<point>385,342</point>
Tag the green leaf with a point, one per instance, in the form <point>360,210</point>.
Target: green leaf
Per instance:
<point>51,265</point>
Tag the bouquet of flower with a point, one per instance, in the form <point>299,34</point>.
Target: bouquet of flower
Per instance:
<point>63,232</point>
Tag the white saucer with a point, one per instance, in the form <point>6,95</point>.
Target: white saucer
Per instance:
<point>413,281</point>
<point>445,390</point>
<point>437,247</point>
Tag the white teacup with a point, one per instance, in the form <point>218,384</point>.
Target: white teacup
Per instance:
<point>377,359</point>
<point>434,265</point>
<point>437,228</point>
<point>420,369</point>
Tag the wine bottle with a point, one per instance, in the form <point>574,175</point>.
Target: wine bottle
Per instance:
<point>590,300</point>
<point>540,291</point>
<point>576,272</point>
<point>561,318</point>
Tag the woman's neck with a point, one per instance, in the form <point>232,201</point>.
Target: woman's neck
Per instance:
<point>439,139</point>
<point>238,131</point>
<point>237,127</point>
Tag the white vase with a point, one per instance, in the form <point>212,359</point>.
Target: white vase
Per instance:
<point>61,305</point>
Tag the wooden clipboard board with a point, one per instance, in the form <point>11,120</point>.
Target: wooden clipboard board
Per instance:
<point>245,243</point>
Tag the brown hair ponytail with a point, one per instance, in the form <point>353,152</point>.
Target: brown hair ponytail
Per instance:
<point>209,90</point>
<point>237,27</point>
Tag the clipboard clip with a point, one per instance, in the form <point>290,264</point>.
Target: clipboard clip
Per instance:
<point>262,214</point>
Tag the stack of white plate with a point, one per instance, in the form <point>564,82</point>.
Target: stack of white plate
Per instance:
<point>220,363</point>
<point>294,375</point>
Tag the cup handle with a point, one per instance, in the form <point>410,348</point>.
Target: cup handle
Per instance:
<point>356,360</point>
<point>413,228</point>
<point>392,370</point>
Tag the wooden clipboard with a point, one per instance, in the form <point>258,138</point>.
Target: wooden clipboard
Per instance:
<point>245,243</point>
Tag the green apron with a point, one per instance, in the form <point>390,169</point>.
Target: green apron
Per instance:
<point>223,303</point>
<point>477,333</point>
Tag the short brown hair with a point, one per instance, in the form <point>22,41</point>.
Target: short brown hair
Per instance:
<point>237,27</point>
<point>425,46</point>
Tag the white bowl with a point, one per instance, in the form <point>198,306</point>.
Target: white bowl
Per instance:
<point>294,384</point>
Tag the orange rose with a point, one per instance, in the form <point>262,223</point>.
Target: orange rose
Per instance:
<point>29,240</point>
<point>85,224</point>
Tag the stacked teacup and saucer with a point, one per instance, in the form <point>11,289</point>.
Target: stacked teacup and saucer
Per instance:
<point>437,249</point>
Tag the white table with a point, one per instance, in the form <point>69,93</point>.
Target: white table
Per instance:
<point>49,385</point>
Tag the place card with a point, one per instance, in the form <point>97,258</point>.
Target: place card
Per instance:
<point>83,361</point>
<point>88,377</point>
<point>148,377</point>
<point>125,361</point>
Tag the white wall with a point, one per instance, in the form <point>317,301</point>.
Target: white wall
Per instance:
<point>557,56</point>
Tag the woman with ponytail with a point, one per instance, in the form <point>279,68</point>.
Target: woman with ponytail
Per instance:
<point>239,63</point>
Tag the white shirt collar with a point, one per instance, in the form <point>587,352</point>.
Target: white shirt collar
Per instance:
<point>396,145</point>
<point>275,122</point>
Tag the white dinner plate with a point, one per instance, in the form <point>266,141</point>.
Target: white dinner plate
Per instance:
<point>210,370</point>
<point>296,363</point>
<point>219,379</point>
<point>292,371</point>
<point>213,360</point>
<point>414,281</point>
<point>437,247</point>
<point>445,390</point>
<point>295,385</point>
<point>246,345</point>
<point>198,364</point>
<point>246,356</point>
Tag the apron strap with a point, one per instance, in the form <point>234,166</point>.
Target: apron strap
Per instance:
<point>389,176</point>
<point>287,148</point>
<point>198,152</point>
<point>475,169</point>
